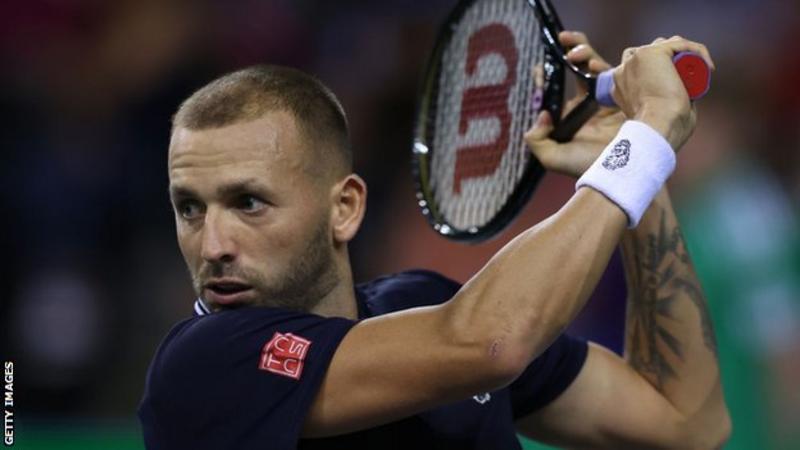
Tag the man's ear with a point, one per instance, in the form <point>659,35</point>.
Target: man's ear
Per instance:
<point>349,204</point>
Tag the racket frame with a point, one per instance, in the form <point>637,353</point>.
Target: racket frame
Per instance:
<point>566,127</point>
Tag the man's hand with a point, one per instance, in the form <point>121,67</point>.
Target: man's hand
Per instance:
<point>574,157</point>
<point>647,88</point>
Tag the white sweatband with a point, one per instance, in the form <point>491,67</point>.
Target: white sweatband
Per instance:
<point>632,169</point>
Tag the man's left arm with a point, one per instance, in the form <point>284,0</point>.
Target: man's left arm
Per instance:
<point>666,392</point>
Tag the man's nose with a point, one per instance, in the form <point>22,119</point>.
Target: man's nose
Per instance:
<point>218,244</point>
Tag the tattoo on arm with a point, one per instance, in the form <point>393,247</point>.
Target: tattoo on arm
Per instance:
<point>660,276</point>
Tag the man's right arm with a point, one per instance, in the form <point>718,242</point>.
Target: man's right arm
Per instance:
<point>400,364</point>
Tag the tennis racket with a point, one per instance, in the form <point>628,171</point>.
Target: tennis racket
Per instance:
<point>497,64</point>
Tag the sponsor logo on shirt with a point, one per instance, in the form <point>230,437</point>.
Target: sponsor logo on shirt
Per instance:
<point>284,355</point>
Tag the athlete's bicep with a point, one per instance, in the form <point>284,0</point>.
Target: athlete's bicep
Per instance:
<point>396,365</point>
<point>608,405</point>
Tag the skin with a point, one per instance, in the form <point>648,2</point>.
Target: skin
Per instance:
<point>400,364</point>
<point>247,208</point>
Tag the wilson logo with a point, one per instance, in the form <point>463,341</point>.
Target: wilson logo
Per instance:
<point>489,101</point>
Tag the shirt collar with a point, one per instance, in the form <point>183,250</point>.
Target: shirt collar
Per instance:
<point>200,308</point>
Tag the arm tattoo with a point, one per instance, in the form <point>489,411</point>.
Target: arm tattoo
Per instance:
<point>661,276</point>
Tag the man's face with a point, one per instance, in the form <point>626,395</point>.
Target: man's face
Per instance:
<point>252,222</point>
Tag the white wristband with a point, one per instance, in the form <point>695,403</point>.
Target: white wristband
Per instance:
<point>632,169</point>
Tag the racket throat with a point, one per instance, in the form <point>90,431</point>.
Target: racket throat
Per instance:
<point>566,128</point>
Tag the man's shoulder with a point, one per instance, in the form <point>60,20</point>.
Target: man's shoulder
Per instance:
<point>408,289</point>
<point>233,369</point>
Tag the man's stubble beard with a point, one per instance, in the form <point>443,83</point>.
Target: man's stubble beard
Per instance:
<point>309,277</point>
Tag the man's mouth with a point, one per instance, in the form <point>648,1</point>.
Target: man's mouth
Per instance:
<point>227,292</point>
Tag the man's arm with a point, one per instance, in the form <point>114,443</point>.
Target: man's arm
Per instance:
<point>669,338</point>
<point>668,395</point>
<point>397,365</point>
<point>400,364</point>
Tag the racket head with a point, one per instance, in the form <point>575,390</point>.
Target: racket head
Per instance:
<point>472,169</point>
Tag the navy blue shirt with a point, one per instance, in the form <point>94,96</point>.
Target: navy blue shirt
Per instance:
<point>245,379</point>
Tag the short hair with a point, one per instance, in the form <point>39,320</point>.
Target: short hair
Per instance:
<point>249,93</point>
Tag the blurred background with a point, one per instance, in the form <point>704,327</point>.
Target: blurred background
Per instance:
<point>94,278</point>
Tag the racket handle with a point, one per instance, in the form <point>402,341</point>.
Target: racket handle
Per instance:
<point>692,69</point>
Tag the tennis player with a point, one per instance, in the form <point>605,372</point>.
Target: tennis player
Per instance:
<point>285,352</point>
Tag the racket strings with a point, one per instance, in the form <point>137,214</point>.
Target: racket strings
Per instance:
<point>481,110</point>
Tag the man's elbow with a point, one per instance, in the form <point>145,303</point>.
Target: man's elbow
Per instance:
<point>500,344</point>
<point>505,355</point>
<point>505,361</point>
<point>493,354</point>
<point>724,431</point>
<point>714,436</point>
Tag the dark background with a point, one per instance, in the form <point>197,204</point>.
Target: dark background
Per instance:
<point>92,274</point>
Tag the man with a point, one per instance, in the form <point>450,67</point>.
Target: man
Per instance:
<point>286,353</point>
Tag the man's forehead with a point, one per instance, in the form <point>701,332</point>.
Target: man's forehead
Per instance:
<point>272,135</point>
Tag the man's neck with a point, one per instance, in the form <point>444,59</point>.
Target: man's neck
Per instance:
<point>341,300</point>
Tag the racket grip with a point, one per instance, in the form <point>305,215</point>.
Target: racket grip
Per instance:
<point>692,69</point>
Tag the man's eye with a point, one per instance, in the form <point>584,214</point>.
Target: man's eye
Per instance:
<point>189,209</point>
<point>249,203</point>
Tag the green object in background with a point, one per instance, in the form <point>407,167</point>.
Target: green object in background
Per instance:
<point>528,444</point>
<point>80,436</point>
<point>116,437</point>
<point>742,233</point>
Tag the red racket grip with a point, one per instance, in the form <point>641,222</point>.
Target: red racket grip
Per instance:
<point>691,67</point>
<point>694,72</point>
